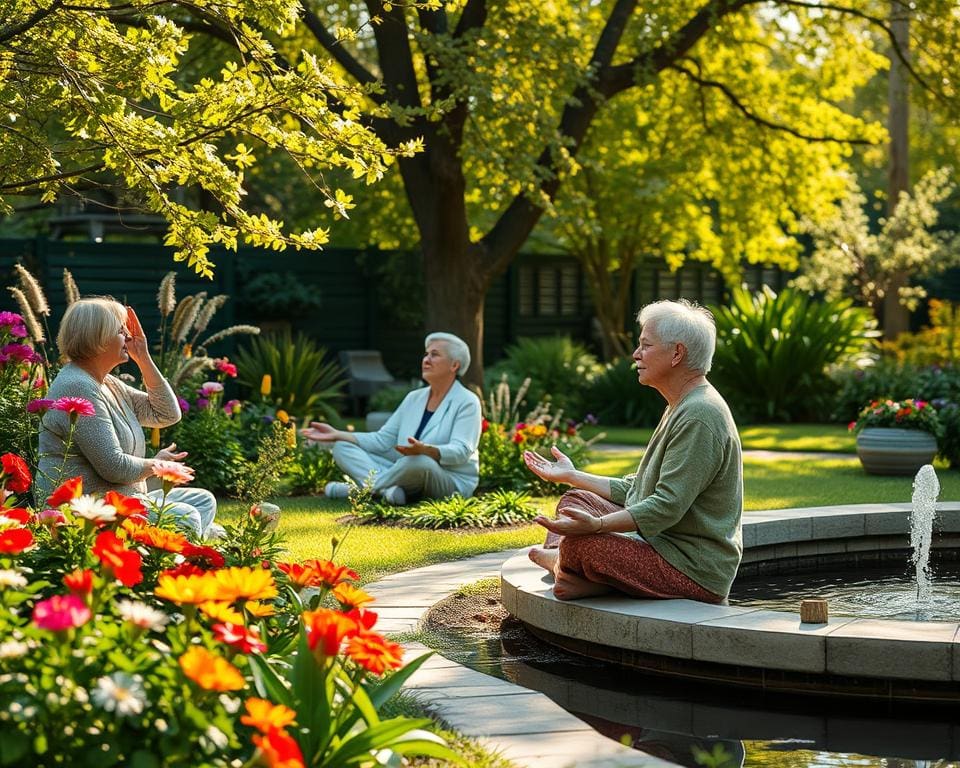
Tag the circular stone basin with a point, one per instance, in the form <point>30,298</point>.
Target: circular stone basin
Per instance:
<point>749,646</point>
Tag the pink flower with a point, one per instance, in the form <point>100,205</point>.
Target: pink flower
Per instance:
<point>41,405</point>
<point>172,472</point>
<point>9,319</point>
<point>231,407</point>
<point>202,403</point>
<point>60,613</point>
<point>20,353</point>
<point>210,388</point>
<point>52,517</point>
<point>75,406</point>
<point>184,405</point>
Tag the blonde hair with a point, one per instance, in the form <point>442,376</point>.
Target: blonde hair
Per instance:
<point>88,325</point>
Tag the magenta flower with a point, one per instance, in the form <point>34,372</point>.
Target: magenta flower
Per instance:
<point>184,405</point>
<point>75,406</point>
<point>10,318</point>
<point>225,367</point>
<point>20,353</point>
<point>60,613</point>
<point>231,407</point>
<point>41,405</point>
<point>202,403</point>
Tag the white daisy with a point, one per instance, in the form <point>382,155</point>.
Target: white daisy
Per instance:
<point>12,649</point>
<point>93,509</point>
<point>11,578</point>
<point>142,615</point>
<point>120,693</point>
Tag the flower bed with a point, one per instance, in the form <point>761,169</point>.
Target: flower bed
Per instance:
<point>126,643</point>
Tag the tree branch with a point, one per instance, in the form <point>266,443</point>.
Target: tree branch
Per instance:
<point>761,121</point>
<point>341,55</point>
<point>35,18</point>
<point>473,16</point>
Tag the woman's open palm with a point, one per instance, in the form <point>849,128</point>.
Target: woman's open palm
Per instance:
<point>552,471</point>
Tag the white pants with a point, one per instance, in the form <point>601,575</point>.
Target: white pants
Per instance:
<point>417,475</point>
<point>192,508</point>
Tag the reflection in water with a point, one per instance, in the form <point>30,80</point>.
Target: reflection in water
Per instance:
<point>683,721</point>
<point>883,592</point>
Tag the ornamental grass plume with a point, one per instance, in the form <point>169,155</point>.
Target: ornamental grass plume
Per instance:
<point>167,295</point>
<point>32,290</point>
<point>34,329</point>
<point>70,289</point>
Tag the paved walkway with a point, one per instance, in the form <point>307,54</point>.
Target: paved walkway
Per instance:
<point>522,726</point>
<point>758,454</point>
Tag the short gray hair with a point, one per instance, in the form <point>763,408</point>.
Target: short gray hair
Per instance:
<point>686,323</point>
<point>88,325</point>
<point>456,347</point>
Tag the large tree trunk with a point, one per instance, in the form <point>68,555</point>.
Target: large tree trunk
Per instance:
<point>896,318</point>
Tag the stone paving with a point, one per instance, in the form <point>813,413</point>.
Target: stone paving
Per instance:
<point>520,725</point>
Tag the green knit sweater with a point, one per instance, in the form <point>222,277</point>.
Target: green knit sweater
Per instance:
<point>687,495</point>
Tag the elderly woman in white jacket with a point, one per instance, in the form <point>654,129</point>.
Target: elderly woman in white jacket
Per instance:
<point>428,447</point>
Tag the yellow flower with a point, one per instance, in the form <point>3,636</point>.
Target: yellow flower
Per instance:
<point>186,589</point>
<point>222,612</point>
<point>258,609</point>
<point>155,437</point>
<point>209,671</point>
<point>283,416</point>
<point>265,384</point>
<point>187,351</point>
<point>244,583</point>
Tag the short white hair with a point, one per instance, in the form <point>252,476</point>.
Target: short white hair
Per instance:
<point>686,323</point>
<point>456,347</point>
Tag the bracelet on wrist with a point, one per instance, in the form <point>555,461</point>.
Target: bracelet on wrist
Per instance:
<point>600,529</point>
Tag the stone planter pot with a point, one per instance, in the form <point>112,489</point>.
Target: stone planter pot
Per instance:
<point>894,451</point>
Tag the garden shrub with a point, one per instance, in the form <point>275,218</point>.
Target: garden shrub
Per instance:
<point>303,383</point>
<point>311,468</point>
<point>212,440</point>
<point>774,352</point>
<point>560,370</point>
<point>487,511</point>
<point>888,379</point>
<point>616,397</point>
<point>388,398</point>
<point>505,436</point>
<point>937,344</point>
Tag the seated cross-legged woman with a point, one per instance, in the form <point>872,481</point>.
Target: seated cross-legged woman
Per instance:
<point>672,530</point>
<point>429,446</point>
<point>107,449</point>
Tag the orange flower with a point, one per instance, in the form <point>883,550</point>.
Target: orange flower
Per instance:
<point>266,716</point>
<point>331,574</point>
<point>350,596</point>
<point>186,589</point>
<point>278,749</point>
<point>157,538</point>
<point>125,505</point>
<point>327,629</point>
<point>244,583</point>
<point>221,612</point>
<point>300,574</point>
<point>374,653</point>
<point>68,491</point>
<point>209,671</point>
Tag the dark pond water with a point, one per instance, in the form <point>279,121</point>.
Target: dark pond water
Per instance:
<point>679,721</point>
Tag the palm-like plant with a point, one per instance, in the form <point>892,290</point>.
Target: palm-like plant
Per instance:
<point>774,351</point>
<point>303,382</point>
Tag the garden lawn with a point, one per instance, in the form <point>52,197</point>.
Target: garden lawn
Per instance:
<point>308,523</point>
<point>785,482</point>
<point>832,438</point>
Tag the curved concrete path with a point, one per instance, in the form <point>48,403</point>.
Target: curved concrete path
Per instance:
<point>521,725</point>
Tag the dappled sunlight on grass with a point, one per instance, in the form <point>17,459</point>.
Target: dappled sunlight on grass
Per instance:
<point>309,523</point>
<point>833,438</point>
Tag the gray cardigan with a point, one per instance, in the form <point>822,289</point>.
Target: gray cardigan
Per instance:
<point>108,449</point>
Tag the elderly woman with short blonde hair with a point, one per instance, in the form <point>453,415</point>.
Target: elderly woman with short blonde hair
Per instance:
<point>108,449</point>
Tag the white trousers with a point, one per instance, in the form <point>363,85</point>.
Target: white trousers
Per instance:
<point>417,475</point>
<point>192,508</point>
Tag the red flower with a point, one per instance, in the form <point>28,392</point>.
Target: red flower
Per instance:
<point>300,575</point>
<point>484,425</point>
<point>123,563</point>
<point>74,406</point>
<point>17,473</point>
<point>243,639</point>
<point>16,515</point>
<point>79,582</point>
<point>329,573</point>
<point>279,750</point>
<point>206,557</point>
<point>184,569</point>
<point>14,540</point>
<point>68,491</point>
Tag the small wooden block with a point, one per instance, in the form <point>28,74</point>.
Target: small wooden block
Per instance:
<point>813,611</point>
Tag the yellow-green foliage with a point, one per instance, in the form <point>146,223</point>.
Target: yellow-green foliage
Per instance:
<point>936,344</point>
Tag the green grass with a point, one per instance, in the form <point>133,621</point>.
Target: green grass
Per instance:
<point>781,483</point>
<point>833,438</point>
<point>309,523</point>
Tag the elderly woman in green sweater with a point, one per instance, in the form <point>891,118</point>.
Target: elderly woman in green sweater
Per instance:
<point>672,530</point>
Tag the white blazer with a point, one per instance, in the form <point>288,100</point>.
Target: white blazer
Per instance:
<point>454,429</point>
